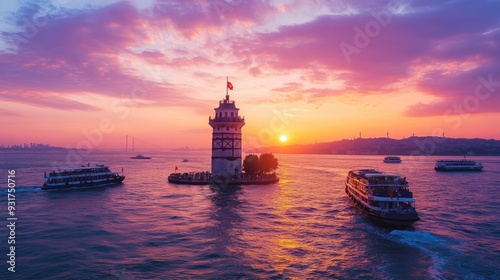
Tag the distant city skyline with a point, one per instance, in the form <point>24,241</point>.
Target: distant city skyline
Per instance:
<point>85,74</point>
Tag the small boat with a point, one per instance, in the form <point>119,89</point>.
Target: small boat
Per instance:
<point>384,198</point>
<point>392,159</point>
<point>140,157</point>
<point>185,160</point>
<point>458,165</point>
<point>82,177</point>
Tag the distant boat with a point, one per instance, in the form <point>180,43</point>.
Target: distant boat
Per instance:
<point>392,159</point>
<point>82,177</point>
<point>458,165</point>
<point>140,157</point>
<point>383,198</point>
<point>185,160</point>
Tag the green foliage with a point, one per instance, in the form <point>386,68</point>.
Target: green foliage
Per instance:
<point>251,164</point>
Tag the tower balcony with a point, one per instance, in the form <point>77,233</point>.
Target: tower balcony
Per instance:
<point>226,119</point>
<point>226,101</point>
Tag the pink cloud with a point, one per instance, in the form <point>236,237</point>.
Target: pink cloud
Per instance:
<point>79,51</point>
<point>194,17</point>
<point>45,100</point>
<point>8,113</point>
<point>296,92</point>
<point>387,48</point>
<point>153,57</point>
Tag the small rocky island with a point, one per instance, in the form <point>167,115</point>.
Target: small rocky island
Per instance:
<point>227,166</point>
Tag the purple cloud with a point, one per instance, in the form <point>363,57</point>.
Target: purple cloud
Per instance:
<point>79,51</point>
<point>387,48</point>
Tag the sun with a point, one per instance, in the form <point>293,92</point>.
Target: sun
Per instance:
<point>283,138</point>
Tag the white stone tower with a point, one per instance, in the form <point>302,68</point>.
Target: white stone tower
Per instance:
<point>226,139</point>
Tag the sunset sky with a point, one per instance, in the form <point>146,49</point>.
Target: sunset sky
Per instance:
<point>322,70</point>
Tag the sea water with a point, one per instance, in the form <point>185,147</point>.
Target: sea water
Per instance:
<point>303,227</point>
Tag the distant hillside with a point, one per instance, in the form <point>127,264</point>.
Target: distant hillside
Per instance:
<point>385,146</point>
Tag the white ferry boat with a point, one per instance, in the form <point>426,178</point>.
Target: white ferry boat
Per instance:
<point>392,159</point>
<point>382,197</point>
<point>82,177</point>
<point>458,165</point>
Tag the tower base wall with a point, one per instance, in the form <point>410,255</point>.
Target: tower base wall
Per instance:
<point>226,168</point>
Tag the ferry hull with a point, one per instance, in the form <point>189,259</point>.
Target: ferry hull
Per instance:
<point>386,219</point>
<point>115,181</point>
<point>445,169</point>
<point>458,165</point>
<point>399,221</point>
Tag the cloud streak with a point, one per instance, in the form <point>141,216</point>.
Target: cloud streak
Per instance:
<point>437,49</point>
<point>82,51</point>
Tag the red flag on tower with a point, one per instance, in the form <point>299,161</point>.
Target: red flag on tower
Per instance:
<point>176,168</point>
<point>229,85</point>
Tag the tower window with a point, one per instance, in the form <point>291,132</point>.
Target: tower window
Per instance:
<point>225,114</point>
<point>232,114</point>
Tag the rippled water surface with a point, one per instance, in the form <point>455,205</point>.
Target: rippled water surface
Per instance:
<point>302,227</point>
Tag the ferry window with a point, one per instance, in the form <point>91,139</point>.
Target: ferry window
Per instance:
<point>232,114</point>
<point>227,128</point>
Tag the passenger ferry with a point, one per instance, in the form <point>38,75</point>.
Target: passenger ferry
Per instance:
<point>384,198</point>
<point>82,177</point>
<point>458,165</point>
<point>392,159</point>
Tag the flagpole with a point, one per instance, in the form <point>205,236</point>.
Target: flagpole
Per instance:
<point>227,93</point>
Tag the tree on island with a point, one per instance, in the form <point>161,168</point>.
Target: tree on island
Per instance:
<point>253,164</point>
<point>268,163</point>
